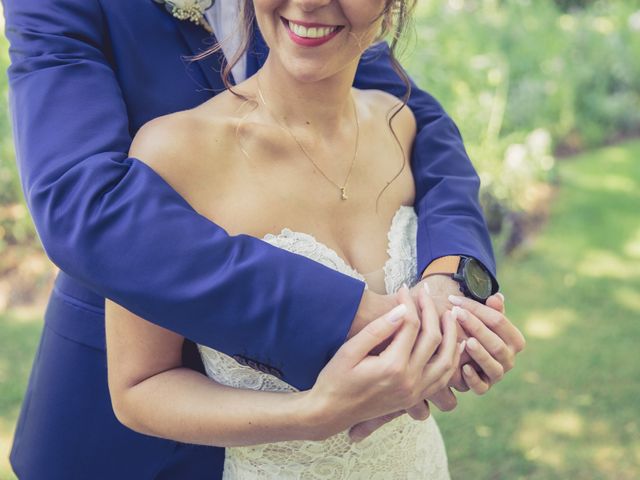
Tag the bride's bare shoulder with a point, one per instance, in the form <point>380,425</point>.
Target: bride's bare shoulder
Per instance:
<point>384,107</point>
<point>182,139</point>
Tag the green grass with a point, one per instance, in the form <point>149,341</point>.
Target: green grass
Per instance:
<point>569,408</point>
<point>19,334</point>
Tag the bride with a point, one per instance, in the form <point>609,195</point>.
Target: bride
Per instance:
<point>298,158</point>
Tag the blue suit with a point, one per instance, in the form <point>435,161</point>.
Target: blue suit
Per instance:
<point>85,76</point>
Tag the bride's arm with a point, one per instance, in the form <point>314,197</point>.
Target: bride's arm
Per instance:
<point>153,394</point>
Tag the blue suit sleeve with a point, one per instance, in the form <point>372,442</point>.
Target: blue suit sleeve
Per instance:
<point>113,224</point>
<point>450,219</point>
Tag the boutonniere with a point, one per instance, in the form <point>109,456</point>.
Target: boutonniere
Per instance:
<point>192,10</point>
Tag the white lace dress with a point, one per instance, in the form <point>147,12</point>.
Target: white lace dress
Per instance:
<point>401,449</point>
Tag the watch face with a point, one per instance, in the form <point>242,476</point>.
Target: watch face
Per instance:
<point>477,279</point>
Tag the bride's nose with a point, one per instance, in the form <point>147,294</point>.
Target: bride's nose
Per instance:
<point>311,5</point>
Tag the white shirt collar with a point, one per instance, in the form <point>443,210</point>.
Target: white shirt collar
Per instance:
<point>224,18</point>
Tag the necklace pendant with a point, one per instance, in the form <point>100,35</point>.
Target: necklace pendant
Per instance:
<point>343,193</point>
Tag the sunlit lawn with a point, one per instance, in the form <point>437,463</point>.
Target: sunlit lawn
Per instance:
<point>19,333</point>
<point>569,409</point>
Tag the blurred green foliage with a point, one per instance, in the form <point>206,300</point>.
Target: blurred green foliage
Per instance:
<point>9,182</point>
<point>569,409</point>
<point>524,79</point>
<point>16,227</point>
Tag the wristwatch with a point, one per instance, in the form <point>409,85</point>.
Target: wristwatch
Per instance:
<point>475,280</point>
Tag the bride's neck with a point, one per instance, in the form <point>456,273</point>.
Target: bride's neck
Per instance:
<point>326,105</point>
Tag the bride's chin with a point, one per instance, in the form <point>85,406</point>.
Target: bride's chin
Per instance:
<point>305,73</point>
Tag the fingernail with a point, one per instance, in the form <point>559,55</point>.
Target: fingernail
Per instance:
<point>426,288</point>
<point>466,369</point>
<point>472,342</point>
<point>459,314</point>
<point>462,346</point>
<point>397,313</point>
<point>404,285</point>
<point>501,296</point>
<point>456,300</point>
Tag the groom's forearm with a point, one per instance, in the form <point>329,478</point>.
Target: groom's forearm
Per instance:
<point>120,230</point>
<point>450,219</point>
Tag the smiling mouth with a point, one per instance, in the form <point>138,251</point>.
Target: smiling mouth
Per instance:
<point>311,31</point>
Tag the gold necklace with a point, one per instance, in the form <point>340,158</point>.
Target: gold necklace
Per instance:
<point>343,188</point>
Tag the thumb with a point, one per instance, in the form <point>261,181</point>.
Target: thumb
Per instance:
<point>359,346</point>
<point>496,302</point>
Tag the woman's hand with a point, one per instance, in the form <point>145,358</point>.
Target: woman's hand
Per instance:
<point>356,386</point>
<point>431,326</point>
<point>493,341</point>
<point>489,355</point>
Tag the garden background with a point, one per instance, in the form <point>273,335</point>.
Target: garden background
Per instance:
<point>547,96</point>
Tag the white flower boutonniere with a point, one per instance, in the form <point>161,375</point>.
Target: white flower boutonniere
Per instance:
<point>192,10</point>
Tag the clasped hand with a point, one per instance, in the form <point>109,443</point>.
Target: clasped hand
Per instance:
<point>420,357</point>
<point>394,367</point>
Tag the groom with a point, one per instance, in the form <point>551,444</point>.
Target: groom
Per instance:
<point>85,76</point>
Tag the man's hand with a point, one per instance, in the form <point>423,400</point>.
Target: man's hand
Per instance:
<point>440,287</point>
<point>372,306</point>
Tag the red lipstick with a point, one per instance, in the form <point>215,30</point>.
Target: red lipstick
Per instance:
<point>310,42</point>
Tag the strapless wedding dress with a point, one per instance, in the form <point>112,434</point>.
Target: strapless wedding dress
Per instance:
<point>401,449</point>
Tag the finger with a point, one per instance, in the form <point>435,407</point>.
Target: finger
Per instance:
<point>493,319</point>
<point>447,351</point>
<point>477,384</point>
<point>359,346</point>
<point>493,370</point>
<point>399,350</point>
<point>496,302</point>
<point>457,380</point>
<point>444,399</point>
<point>430,335</point>
<point>489,340</point>
<point>439,371</point>
<point>362,430</point>
<point>421,411</point>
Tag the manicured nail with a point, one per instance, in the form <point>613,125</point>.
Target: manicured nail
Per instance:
<point>473,343</point>
<point>397,313</point>
<point>467,370</point>
<point>462,346</point>
<point>426,288</point>
<point>456,300</point>
<point>459,314</point>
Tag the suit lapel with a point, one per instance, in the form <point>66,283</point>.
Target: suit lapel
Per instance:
<point>200,40</point>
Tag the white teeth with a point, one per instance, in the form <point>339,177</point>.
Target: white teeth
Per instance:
<point>312,32</point>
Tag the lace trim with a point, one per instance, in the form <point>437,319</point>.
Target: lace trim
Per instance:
<point>306,244</point>
<point>401,449</point>
<point>402,236</point>
<point>401,249</point>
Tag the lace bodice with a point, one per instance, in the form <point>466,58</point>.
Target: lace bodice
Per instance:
<point>401,449</point>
